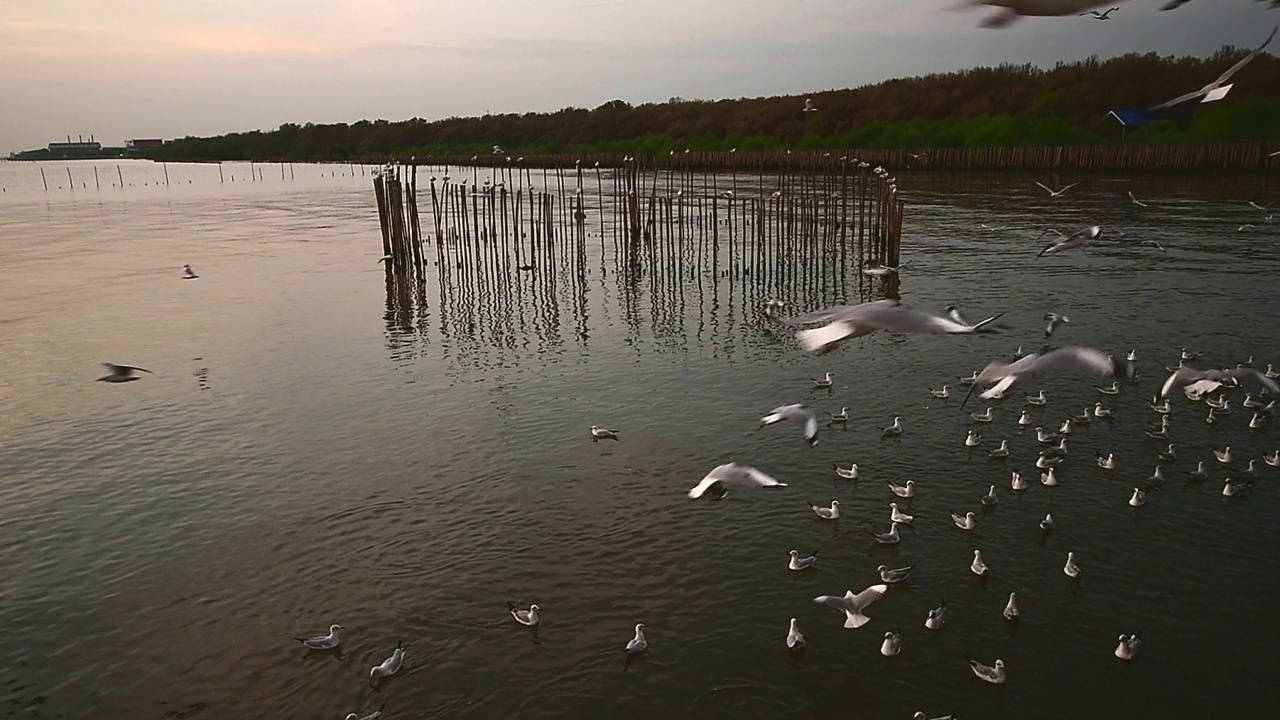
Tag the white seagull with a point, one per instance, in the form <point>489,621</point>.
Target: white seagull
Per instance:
<point>375,715</point>
<point>732,474</point>
<point>897,516</point>
<point>989,673</point>
<point>904,491</point>
<point>849,473</point>
<point>1016,482</point>
<point>853,605</point>
<point>1070,357</point>
<point>965,521</point>
<point>892,644</point>
<point>1071,569</point>
<point>1217,89</point>
<point>1106,462</point>
<point>599,433</point>
<point>808,105</point>
<point>990,498</point>
<point>973,439</point>
<point>1100,412</point>
<point>942,393</point>
<point>795,640</point>
<point>1188,375</point>
<point>1025,418</point>
<point>524,617</point>
<point>1011,608</point>
<point>1139,498</point>
<point>1129,647</point>
<point>1048,479</point>
<point>391,665</point>
<point>801,563</point>
<point>1135,200</point>
<point>978,566</point>
<point>1056,193</point>
<point>937,616</point>
<point>798,413</point>
<point>894,429</point>
<point>1223,455</point>
<point>826,513</point>
<point>1072,241</point>
<point>1047,522</point>
<point>1000,452</point>
<point>894,576</point>
<point>638,643</point>
<point>1054,321</point>
<point>322,642</point>
<point>1012,10</point>
<point>188,273</point>
<point>888,538</point>
<point>845,322</point>
<point>822,382</point>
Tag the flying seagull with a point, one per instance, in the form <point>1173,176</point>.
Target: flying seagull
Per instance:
<point>1135,200</point>
<point>1100,15</point>
<point>850,322</point>
<point>1186,375</point>
<point>732,474</point>
<point>1070,357</point>
<point>1012,10</point>
<point>853,605</point>
<point>1071,242</point>
<point>121,373</point>
<point>1218,89</point>
<point>800,414</point>
<point>808,105</point>
<point>1054,321</point>
<point>874,267</point>
<point>1056,193</point>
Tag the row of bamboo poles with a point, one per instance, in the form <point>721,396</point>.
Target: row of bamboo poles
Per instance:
<point>1208,156</point>
<point>801,222</point>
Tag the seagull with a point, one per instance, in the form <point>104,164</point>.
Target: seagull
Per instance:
<point>954,313</point>
<point>1135,200</point>
<point>1083,418</point>
<point>121,373</point>
<point>897,516</point>
<point>808,105</point>
<point>1273,459</point>
<point>984,417</point>
<point>322,642</point>
<point>1107,462</point>
<point>892,644</point>
<point>732,474</point>
<point>1160,407</point>
<point>1070,357</point>
<point>1011,10</point>
<point>800,413</point>
<point>822,382</point>
<point>989,673</point>
<point>1054,321</point>
<point>1071,569</point>
<point>524,617</point>
<point>1251,470</point>
<point>1045,461</point>
<point>1128,647</point>
<point>801,563</point>
<point>1000,452</point>
<point>840,417</point>
<point>1112,389</point>
<point>894,429</point>
<point>1255,422</point>
<point>188,273</point>
<point>1233,489</point>
<point>1045,438</point>
<point>964,522</point>
<point>973,439</point>
<point>853,605</point>
<point>941,393</point>
<point>888,538</point>
<point>1038,399</point>
<point>638,644</point>
<point>1159,247</point>
<point>1101,16</point>
<point>795,640</point>
<point>904,491</point>
<point>1048,479</point>
<point>1056,193</point>
<point>922,716</point>
<point>895,576</point>
<point>850,321</point>
<point>1072,241</point>
<point>827,513</point>
<point>1199,473</point>
<point>391,665</point>
<point>990,498</point>
<point>1224,455</point>
<point>849,473</point>
<point>873,267</point>
<point>1100,412</point>
<point>1025,418</point>
<point>1139,498</point>
<point>937,616</point>
<point>1011,607</point>
<point>1216,90</point>
<point>599,433</point>
<point>978,566</point>
<point>1186,375</point>
<point>1047,522</point>
<point>1016,482</point>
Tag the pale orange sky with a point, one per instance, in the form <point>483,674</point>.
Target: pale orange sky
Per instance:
<point>135,68</point>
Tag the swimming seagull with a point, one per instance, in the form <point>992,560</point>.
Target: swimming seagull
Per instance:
<point>1107,462</point>
<point>894,429</point>
<point>1011,608</point>
<point>375,715</point>
<point>638,643</point>
<point>1199,473</point>
<point>1139,498</point>
<point>599,433</point>
<point>840,417</point>
<point>972,440</point>
<point>524,617</point>
<point>322,642</point>
<point>1223,455</point>
<point>826,513</point>
<point>799,413</point>
<point>1070,357</point>
<point>1101,16</point>
<point>121,373</point>
<point>1000,452</point>
<point>188,273</point>
<point>978,566</point>
<point>795,640</point>
<point>1047,522</point>
<point>1135,200</point>
<point>888,538</point>
<point>391,665</point>
<point>1128,647</point>
<point>1232,488</point>
<point>989,673</point>
<point>1071,569</point>
<point>1048,479</point>
<point>984,417</point>
<point>937,616</point>
<point>897,516</point>
<point>892,644</point>
<point>1025,418</point>
<point>853,605</point>
<point>964,522</point>
<point>1112,389</point>
<point>849,473</point>
<point>895,576</point>
<point>1056,193</point>
<point>1038,399</point>
<point>1075,240</point>
<point>1216,90</point>
<point>801,563</point>
<point>990,498</point>
<point>822,382</point>
<point>904,491</point>
<point>942,393</point>
<point>1272,459</point>
<point>1099,411</point>
<point>1189,375</point>
<point>732,474</point>
<point>1016,482</point>
<point>1054,321</point>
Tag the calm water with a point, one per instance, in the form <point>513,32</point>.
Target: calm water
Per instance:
<point>316,447</point>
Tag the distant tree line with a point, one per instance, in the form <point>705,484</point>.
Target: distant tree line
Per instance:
<point>987,106</point>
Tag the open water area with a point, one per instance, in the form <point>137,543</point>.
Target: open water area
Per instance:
<point>312,450</point>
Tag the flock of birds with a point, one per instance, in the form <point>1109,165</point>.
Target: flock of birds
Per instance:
<point>1013,10</point>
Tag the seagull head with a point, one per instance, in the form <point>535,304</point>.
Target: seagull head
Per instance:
<point>334,628</point>
<point>533,608</point>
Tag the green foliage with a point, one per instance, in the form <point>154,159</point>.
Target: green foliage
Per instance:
<point>980,107</point>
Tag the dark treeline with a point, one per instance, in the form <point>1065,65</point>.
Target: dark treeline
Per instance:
<point>982,107</point>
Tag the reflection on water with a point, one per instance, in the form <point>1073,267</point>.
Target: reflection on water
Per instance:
<point>324,443</point>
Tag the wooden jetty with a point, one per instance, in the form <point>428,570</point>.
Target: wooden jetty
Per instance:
<point>783,219</point>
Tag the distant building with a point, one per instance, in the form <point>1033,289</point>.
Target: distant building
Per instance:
<point>75,147</point>
<point>141,144</point>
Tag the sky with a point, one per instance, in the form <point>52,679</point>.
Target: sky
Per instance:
<point>149,68</point>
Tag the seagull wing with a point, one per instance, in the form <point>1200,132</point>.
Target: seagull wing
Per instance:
<point>955,315</point>
<point>1068,187</point>
<point>905,320</point>
<point>860,601</point>
<point>983,323</point>
<point>1250,372</point>
<point>1046,189</point>
<point>1245,61</point>
<point>1179,100</point>
<point>1073,357</point>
